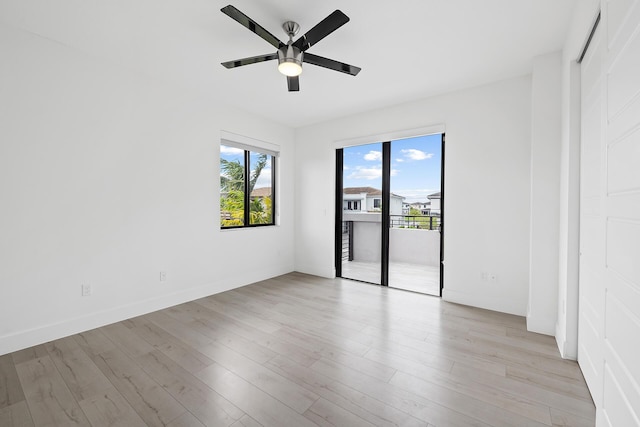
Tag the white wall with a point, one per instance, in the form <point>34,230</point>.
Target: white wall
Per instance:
<point>107,178</point>
<point>487,153</point>
<point>545,194</point>
<point>367,240</point>
<point>420,247</point>
<point>566,330</point>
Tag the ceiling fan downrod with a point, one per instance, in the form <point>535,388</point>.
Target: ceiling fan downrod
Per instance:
<point>289,56</point>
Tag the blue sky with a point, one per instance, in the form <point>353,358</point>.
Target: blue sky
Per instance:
<point>415,166</point>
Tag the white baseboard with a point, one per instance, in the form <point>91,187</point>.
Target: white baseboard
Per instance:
<point>30,337</point>
<point>314,270</point>
<point>502,305</point>
<point>541,325</point>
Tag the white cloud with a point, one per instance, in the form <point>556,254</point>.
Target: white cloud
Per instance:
<point>230,150</point>
<point>415,194</point>
<point>264,180</point>
<point>366,173</point>
<point>373,155</point>
<point>369,173</point>
<point>414,154</point>
<point>399,160</point>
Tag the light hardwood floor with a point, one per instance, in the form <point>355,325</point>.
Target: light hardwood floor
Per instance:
<point>421,278</point>
<point>299,351</point>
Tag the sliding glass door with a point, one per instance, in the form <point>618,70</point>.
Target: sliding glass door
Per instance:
<point>361,207</point>
<point>416,214</point>
<point>389,216</point>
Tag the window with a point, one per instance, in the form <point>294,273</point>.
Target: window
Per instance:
<point>247,186</point>
<point>377,203</point>
<point>353,206</point>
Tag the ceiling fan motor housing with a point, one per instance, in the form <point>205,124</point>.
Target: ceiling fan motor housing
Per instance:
<point>289,56</point>
<point>290,53</point>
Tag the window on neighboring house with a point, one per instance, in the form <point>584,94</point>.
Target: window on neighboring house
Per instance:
<point>377,203</point>
<point>353,205</point>
<point>247,183</point>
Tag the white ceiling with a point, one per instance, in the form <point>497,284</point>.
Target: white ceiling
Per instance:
<point>408,49</point>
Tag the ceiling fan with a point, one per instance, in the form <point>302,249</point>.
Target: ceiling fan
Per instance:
<point>292,54</point>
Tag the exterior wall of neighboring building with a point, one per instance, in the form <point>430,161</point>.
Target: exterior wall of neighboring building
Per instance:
<point>364,202</point>
<point>435,206</point>
<point>396,205</point>
<point>354,202</point>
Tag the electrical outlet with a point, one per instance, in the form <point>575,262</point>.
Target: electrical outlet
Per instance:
<point>163,276</point>
<point>492,277</point>
<point>86,290</point>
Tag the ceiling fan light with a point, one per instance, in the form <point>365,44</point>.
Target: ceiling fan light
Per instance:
<point>290,60</point>
<point>290,68</point>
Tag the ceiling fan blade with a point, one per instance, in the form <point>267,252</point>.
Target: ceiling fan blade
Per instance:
<point>321,61</point>
<point>327,26</point>
<point>293,83</point>
<point>251,60</point>
<point>252,25</point>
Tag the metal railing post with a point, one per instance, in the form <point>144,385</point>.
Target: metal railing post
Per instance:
<point>350,230</point>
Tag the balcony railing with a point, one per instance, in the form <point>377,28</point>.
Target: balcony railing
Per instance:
<point>421,222</point>
<point>412,239</point>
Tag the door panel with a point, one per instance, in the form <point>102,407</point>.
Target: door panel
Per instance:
<point>621,383</point>
<point>609,323</point>
<point>361,214</point>
<point>415,232</point>
<point>592,232</point>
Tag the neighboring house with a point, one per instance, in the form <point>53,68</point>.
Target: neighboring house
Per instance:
<point>369,199</point>
<point>434,201</point>
<point>430,207</point>
<point>261,193</point>
<point>423,207</point>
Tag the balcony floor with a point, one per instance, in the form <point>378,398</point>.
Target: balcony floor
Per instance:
<point>411,277</point>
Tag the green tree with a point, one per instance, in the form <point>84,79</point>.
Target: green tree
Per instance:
<point>232,177</point>
<point>232,181</point>
<point>257,170</point>
<point>414,211</point>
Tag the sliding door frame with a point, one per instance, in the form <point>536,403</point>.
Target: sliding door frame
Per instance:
<point>386,210</point>
<point>442,213</point>
<point>386,207</point>
<point>338,211</point>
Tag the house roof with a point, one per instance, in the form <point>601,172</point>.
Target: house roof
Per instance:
<point>369,190</point>
<point>434,196</point>
<point>358,190</point>
<point>261,192</point>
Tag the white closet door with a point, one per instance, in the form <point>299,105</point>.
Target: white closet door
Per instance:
<point>621,372</point>
<point>609,334</point>
<point>592,225</point>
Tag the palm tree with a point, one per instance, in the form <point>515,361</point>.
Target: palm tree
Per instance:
<point>232,180</point>
<point>232,177</point>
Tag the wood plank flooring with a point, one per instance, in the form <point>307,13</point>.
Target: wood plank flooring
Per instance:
<point>421,278</point>
<point>298,351</point>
